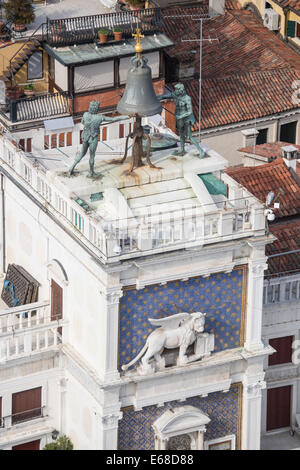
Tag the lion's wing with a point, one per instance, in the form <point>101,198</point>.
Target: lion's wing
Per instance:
<point>173,321</point>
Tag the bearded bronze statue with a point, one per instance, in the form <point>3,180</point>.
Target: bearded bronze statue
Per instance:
<point>184,117</point>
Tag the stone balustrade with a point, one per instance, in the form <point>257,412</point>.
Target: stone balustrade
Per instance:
<point>116,239</point>
<point>27,329</point>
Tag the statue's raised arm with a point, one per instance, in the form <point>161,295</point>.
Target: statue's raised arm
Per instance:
<point>184,117</point>
<point>92,121</point>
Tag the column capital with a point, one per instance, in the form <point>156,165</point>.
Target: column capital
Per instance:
<point>253,390</point>
<point>110,421</point>
<point>113,296</point>
<point>258,267</point>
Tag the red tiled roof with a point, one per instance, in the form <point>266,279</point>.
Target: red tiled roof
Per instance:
<point>274,176</point>
<point>232,5</point>
<point>291,4</point>
<point>268,150</point>
<point>243,45</point>
<point>245,59</point>
<point>288,239</point>
<point>242,97</point>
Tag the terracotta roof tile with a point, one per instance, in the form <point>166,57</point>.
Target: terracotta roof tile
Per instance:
<point>247,57</point>
<point>273,176</point>
<point>291,4</point>
<point>236,98</point>
<point>269,150</point>
<point>288,239</point>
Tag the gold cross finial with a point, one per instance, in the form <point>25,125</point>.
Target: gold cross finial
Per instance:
<point>138,47</point>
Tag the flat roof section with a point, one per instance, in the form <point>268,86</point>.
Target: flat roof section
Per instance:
<point>93,53</point>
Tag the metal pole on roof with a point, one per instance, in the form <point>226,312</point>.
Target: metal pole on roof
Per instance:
<point>200,64</point>
<point>200,78</point>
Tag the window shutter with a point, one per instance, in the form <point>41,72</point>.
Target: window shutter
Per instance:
<point>291,29</point>
<point>283,347</point>
<point>26,405</point>
<point>298,30</point>
<point>56,301</point>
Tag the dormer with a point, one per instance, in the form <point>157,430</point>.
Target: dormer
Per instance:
<point>290,156</point>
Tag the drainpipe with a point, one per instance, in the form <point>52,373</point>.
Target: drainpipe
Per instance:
<point>285,12</point>
<point>3,228</point>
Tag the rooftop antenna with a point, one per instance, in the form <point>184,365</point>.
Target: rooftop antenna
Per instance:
<point>200,40</point>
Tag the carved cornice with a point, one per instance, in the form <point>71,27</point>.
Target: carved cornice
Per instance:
<point>204,272</point>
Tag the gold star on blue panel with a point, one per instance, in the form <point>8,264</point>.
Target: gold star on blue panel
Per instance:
<point>224,312</point>
<point>223,409</point>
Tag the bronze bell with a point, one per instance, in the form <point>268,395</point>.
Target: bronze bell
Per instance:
<point>139,96</point>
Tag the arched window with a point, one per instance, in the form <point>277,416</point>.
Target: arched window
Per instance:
<point>180,428</point>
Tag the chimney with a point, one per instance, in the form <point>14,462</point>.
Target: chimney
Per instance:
<point>216,8</point>
<point>290,156</point>
<point>249,137</point>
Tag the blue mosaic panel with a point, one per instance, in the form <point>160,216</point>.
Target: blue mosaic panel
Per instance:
<point>224,410</point>
<point>220,296</point>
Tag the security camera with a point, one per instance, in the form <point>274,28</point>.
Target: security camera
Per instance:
<point>270,215</point>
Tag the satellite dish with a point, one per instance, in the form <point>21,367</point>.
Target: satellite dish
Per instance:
<point>269,198</point>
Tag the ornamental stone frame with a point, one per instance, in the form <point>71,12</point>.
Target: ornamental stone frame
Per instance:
<point>187,422</point>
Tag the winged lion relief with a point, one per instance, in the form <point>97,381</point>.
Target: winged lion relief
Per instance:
<point>175,331</point>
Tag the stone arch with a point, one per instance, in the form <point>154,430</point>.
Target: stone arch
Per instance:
<point>185,423</point>
<point>58,271</point>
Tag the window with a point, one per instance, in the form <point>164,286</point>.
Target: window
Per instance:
<point>69,139</point>
<point>283,347</point>
<point>35,66</point>
<point>293,29</point>
<point>121,131</point>
<point>32,445</point>
<point>53,141</point>
<point>288,132</point>
<point>25,144</point>
<point>26,405</point>
<point>46,142</point>
<point>64,139</point>
<point>262,136</point>
<point>1,422</point>
<point>61,139</point>
<point>271,294</point>
<point>292,290</point>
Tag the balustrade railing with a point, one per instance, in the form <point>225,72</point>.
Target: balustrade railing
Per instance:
<point>84,29</point>
<point>114,238</point>
<point>23,416</point>
<point>39,107</point>
<point>27,329</point>
<point>281,290</point>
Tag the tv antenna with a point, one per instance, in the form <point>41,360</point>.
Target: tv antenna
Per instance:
<point>196,17</point>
